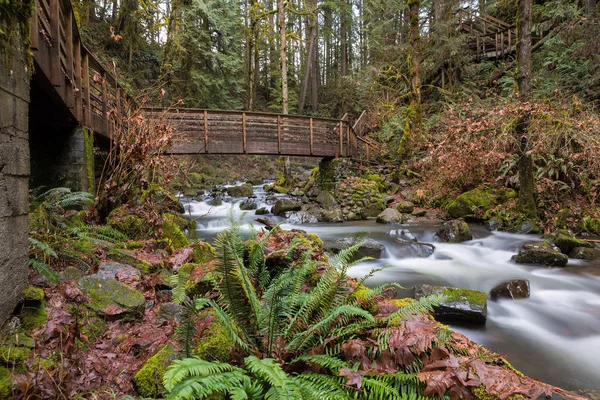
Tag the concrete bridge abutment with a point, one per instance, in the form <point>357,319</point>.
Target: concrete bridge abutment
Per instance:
<point>14,166</point>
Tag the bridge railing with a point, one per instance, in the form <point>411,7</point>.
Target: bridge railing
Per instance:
<point>237,132</point>
<point>69,70</point>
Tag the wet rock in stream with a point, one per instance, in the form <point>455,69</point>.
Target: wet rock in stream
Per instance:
<point>459,305</point>
<point>370,248</point>
<point>513,289</point>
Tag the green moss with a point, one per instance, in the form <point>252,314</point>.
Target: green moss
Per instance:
<point>172,232</point>
<point>215,344</point>
<point>402,302</point>
<point>315,240</point>
<point>44,364</point>
<point>33,294</point>
<point>14,356</point>
<point>196,178</point>
<point>148,380</point>
<point>566,243</point>
<point>467,203</point>
<point>104,292</point>
<point>591,225</point>
<point>126,257</point>
<point>88,138</point>
<point>32,318</point>
<point>508,366</point>
<point>132,225</point>
<point>458,295</point>
<point>161,197</point>
<point>361,292</point>
<point>208,170</point>
<point>5,383</point>
<point>203,252</point>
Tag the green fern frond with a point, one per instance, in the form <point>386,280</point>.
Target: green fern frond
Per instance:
<point>44,248</point>
<point>44,270</point>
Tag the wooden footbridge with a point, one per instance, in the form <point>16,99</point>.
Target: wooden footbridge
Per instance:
<point>73,77</point>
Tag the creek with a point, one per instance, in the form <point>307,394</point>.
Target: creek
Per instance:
<point>553,336</point>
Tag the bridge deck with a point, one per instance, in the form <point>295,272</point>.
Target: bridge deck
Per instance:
<point>240,132</point>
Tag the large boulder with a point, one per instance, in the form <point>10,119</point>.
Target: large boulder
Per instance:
<point>262,211</point>
<point>566,243</point>
<point>112,299</point>
<point>244,190</point>
<point>458,305</point>
<point>584,253</point>
<point>248,204</point>
<point>284,205</point>
<point>540,253</point>
<point>369,247</point>
<point>333,215</point>
<point>405,207</point>
<point>326,200</point>
<point>513,289</point>
<point>464,204</point>
<point>390,216</point>
<point>455,231</point>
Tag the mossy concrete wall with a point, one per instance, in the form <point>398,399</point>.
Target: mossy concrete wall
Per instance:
<point>14,166</point>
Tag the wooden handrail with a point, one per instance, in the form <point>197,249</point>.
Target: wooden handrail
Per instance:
<point>69,67</point>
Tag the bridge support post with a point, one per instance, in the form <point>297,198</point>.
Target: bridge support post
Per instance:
<point>63,158</point>
<point>14,167</point>
<point>327,173</point>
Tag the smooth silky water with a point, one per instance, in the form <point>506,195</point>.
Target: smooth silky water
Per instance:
<point>553,336</point>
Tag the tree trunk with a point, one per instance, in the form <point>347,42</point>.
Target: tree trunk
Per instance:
<point>308,64</point>
<point>344,36</point>
<point>283,56</point>
<point>414,119</point>
<point>590,8</point>
<point>525,162</point>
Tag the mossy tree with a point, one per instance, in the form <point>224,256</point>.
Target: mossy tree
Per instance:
<point>414,117</point>
<point>525,162</point>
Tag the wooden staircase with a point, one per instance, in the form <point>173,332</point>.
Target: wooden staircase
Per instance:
<point>491,37</point>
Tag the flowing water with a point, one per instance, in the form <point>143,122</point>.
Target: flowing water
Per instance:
<point>553,336</point>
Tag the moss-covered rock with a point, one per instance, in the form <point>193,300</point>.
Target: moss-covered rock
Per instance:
<point>215,344</point>
<point>208,170</point>
<point>566,243</point>
<point>540,253</point>
<point>584,253</point>
<point>124,220</point>
<point>33,295</point>
<point>203,252</point>
<point>284,205</point>
<point>244,190</point>
<point>148,380</point>
<point>405,207</point>
<point>458,305</point>
<point>157,195</point>
<point>5,383</point>
<point>248,204</point>
<point>390,216</point>
<point>455,231</point>
<point>465,205</point>
<point>172,232</point>
<point>70,274</point>
<point>111,298</point>
<point>128,257</point>
<point>200,282</point>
